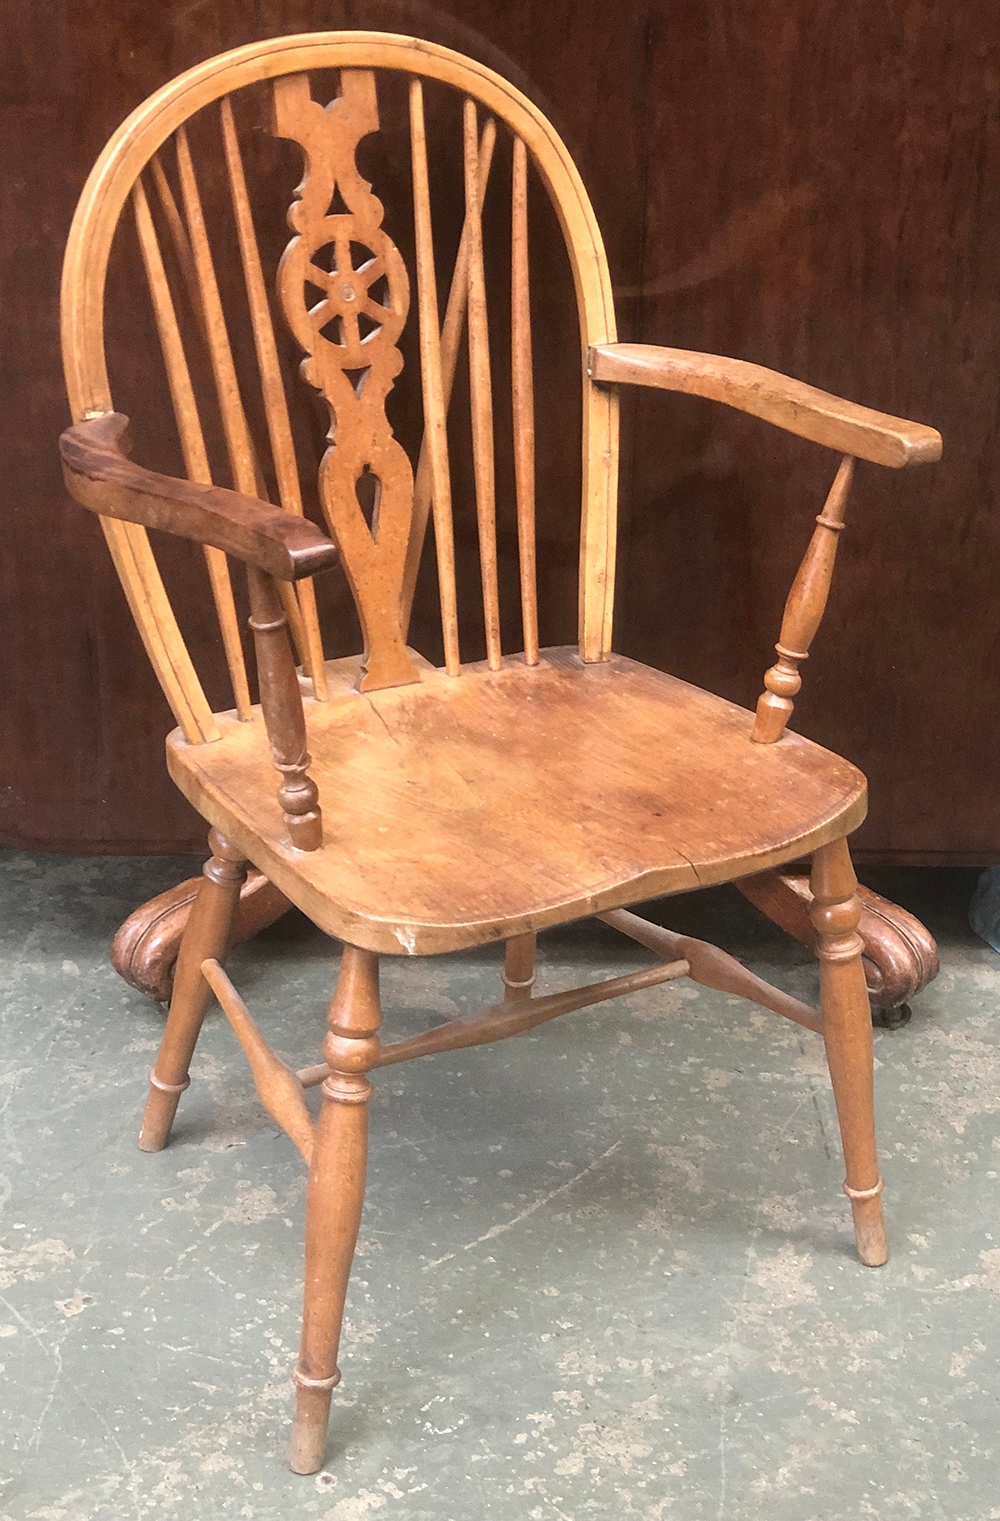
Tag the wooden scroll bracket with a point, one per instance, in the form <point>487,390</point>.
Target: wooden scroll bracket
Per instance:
<point>101,477</point>
<point>900,956</point>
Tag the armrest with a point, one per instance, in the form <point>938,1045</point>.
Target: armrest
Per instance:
<point>100,476</point>
<point>787,403</point>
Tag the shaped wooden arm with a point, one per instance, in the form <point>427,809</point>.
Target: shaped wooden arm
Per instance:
<point>100,476</point>
<point>857,431</point>
<point>787,403</point>
<point>274,545</point>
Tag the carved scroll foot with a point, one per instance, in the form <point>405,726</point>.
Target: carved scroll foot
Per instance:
<point>144,951</point>
<point>900,957</point>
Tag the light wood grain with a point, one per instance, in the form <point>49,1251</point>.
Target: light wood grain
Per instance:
<point>495,830</point>
<point>242,458</point>
<point>787,403</point>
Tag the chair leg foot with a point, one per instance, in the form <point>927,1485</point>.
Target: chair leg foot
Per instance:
<point>307,1447</point>
<point>158,1115</point>
<point>847,1032</point>
<point>335,1198</point>
<point>869,1228</point>
<point>207,933</point>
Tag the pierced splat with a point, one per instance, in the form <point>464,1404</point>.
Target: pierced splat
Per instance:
<point>345,294</point>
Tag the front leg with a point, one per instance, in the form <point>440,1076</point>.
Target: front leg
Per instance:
<point>847,1032</point>
<point>335,1197</point>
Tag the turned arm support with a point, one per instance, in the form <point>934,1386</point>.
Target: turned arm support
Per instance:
<point>101,477</point>
<point>857,432</point>
<point>778,399</point>
<point>274,545</point>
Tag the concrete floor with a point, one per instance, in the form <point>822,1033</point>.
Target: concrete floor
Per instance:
<point>606,1269</point>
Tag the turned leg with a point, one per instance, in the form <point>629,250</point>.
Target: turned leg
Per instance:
<point>847,1031</point>
<point>519,968</point>
<point>206,934</point>
<point>336,1194</point>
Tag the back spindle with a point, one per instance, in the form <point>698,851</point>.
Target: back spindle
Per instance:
<point>523,402</point>
<point>302,596</point>
<point>481,391</point>
<point>803,612</point>
<point>435,430</point>
<point>451,337</point>
<point>191,437</point>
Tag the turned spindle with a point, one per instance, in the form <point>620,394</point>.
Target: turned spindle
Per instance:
<point>803,613</point>
<point>281,703</point>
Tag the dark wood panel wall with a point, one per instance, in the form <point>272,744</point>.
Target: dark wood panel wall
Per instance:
<point>816,188</point>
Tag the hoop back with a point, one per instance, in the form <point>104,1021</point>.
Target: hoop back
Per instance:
<point>349,336</point>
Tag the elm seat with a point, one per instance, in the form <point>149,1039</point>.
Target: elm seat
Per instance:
<point>628,783</point>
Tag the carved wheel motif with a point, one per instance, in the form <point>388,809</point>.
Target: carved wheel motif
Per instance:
<point>345,294</point>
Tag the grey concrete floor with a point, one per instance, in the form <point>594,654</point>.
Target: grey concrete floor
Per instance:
<point>606,1269</point>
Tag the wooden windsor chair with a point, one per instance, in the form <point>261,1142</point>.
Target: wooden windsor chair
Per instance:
<point>464,804</point>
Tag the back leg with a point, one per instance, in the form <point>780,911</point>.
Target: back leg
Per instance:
<point>207,933</point>
<point>519,968</point>
<point>847,1031</point>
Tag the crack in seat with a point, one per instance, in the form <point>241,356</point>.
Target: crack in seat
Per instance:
<point>457,812</point>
